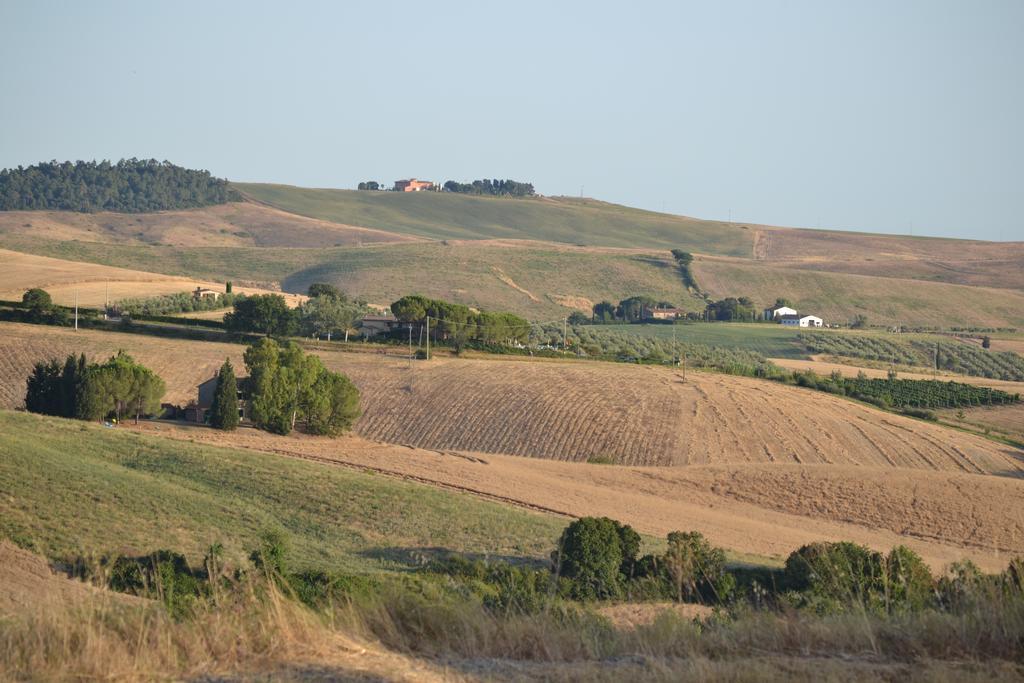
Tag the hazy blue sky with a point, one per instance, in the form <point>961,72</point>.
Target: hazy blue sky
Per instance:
<point>862,115</point>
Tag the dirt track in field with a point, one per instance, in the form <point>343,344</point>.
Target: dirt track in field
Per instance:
<point>626,414</point>
<point>763,509</point>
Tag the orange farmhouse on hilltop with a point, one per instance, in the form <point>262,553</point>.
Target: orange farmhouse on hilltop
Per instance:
<point>412,185</point>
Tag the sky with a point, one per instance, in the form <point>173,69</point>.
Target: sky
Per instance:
<point>896,116</point>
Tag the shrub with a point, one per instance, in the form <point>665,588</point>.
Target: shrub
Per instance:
<point>590,555</point>
<point>909,582</point>
<point>833,576</point>
<point>696,569</point>
<point>164,575</point>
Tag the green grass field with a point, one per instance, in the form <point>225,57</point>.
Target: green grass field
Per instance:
<point>772,341</point>
<point>69,487</point>
<point>441,215</point>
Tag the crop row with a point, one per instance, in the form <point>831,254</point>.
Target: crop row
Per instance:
<point>941,355</point>
<point>900,393</point>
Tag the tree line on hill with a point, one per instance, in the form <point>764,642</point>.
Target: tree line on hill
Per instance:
<point>94,391</point>
<point>495,187</point>
<point>327,312</point>
<point>129,186</point>
<point>638,308</point>
<point>459,324</point>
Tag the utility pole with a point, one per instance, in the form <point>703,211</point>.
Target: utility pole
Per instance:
<point>428,337</point>
<point>565,334</point>
<point>410,345</point>
<point>106,300</point>
<point>76,309</point>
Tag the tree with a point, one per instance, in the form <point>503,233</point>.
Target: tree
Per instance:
<point>782,302</point>
<point>590,554</point>
<point>286,385</point>
<point>604,312</point>
<point>323,289</point>
<point>266,314</point>
<point>326,314</point>
<point>334,407</point>
<point>859,321</point>
<point>224,411</point>
<point>91,392</point>
<point>986,342</point>
<point>632,309</point>
<point>43,394</point>
<point>37,299</point>
<point>578,318</point>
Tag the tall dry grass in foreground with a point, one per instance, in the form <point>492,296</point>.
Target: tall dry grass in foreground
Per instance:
<point>255,627</point>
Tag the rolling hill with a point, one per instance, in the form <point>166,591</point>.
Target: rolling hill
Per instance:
<point>524,255</point>
<point>575,411</point>
<point>442,216</point>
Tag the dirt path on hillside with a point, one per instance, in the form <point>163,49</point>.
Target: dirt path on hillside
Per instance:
<point>766,510</point>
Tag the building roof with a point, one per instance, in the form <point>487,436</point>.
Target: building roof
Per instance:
<point>379,318</point>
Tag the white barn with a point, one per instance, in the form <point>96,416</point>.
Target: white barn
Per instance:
<point>796,320</point>
<point>776,313</point>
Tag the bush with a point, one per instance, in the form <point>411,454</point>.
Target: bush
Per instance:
<point>164,575</point>
<point>590,555</point>
<point>696,569</point>
<point>909,582</point>
<point>832,576</point>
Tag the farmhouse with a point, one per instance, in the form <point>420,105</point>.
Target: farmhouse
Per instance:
<point>663,313</point>
<point>204,293</point>
<point>412,185</point>
<point>372,325</point>
<point>775,313</point>
<point>199,410</point>
<point>797,320</point>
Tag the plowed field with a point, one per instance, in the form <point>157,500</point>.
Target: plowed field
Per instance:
<point>619,413</point>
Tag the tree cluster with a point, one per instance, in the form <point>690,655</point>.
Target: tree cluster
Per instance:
<point>287,385</point>
<point>632,309</point>
<point>180,302</point>
<point>500,188</point>
<point>129,186</point>
<point>732,309</point>
<point>327,312</point>
<point>459,324</point>
<point>94,391</point>
<point>370,185</point>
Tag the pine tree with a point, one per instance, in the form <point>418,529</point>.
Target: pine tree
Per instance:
<point>224,411</point>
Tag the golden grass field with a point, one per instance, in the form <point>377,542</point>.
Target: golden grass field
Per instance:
<point>763,509</point>
<point>94,284</point>
<point>575,411</point>
<point>237,224</point>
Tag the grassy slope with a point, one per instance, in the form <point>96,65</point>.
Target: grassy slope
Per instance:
<point>71,487</point>
<point>838,297</point>
<point>467,272</point>
<point>561,219</point>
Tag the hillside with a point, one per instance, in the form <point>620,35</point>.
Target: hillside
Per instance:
<point>438,215</point>
<point>636,415</point>
<point>146,493</point>
<point>759,509</point>
<point>839,297</point>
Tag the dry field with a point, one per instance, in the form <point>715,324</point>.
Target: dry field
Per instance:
<point>626,414</point>
<point>96,284</point>
<point>824,367</point>
<point>238,224</point>
<point>764,509</point>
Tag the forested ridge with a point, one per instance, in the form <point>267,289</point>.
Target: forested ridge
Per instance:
<point>128,186</point>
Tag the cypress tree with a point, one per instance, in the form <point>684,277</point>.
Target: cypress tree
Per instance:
<point>224,411</point>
